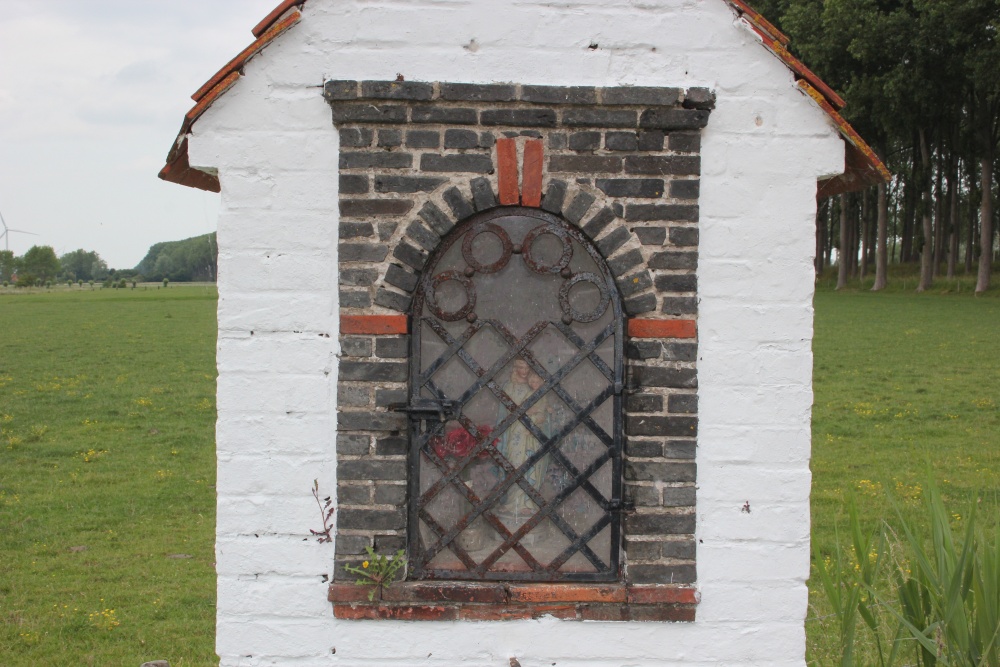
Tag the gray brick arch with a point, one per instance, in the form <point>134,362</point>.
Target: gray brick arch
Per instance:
<point>622,165</point>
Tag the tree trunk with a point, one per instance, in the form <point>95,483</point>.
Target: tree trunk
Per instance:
<point>842,267</point>
<point>909,213</point>
<point>926,259</point>
<point>895,229</point>
<point>820,235</point>
<point>970,235</point>
<point>881,254</point>
<point>829,234</point>
<point>985,221</point>
<point>939,225</point>
<point>953,181</point>
<point>865,215</point>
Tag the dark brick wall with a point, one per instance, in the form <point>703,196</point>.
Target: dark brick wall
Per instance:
<point>622,164</point>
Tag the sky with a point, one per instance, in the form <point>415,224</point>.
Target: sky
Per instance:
<point>92,94</point>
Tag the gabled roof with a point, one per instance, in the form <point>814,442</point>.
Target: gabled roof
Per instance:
<point>862,166</point>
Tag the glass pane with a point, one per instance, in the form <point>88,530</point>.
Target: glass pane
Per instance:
<point>486,347</point>
<point>453,378</point>
<point>545,542</point>
<point>582,447</point>
<point>520,338</point>
<point>585,382</point>
<point>511,562</point>
<point>479,539</point>
<point>578,563</point>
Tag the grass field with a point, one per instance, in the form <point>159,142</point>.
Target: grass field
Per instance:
<point>906,388</point>
<point>107,466</point>
<point>107,463</point>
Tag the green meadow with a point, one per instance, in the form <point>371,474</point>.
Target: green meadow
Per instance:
<point>107,460</point>
<point>107,467</point>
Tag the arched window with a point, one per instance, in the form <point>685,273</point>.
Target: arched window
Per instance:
<point>515,405</point>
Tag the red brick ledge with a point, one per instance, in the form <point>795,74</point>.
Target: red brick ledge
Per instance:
<point>452,601</point>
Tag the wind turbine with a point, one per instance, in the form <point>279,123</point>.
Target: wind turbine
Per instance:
<point>7,230</point>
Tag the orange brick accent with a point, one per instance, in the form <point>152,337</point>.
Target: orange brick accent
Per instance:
<point>661,594</point>
<point>566,593</point>
<point>644,328</point>
<point>507,171</point>
<point>531,187</point>
<point>347,593</point>
<point>374,324</point>
<point>416,591</point>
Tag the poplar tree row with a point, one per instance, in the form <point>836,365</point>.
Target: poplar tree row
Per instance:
<point>922,83</point>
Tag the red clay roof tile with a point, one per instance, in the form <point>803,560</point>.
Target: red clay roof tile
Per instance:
<point>246,54</point>
<point>862,166</point>
<point>275,14</point>
<point>758,19</point>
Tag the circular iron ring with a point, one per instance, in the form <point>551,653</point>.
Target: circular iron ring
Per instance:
<point>470,296</point>
<point>570,311</point>
<point>529,242</point>
<point>484,228</point>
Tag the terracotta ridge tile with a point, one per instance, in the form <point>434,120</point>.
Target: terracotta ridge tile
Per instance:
<point>246,54</point>
<point>799,68</point>
<point>848,132</point>
<point>274,15</point>
<point>206,100</point>
<point>757,18</point>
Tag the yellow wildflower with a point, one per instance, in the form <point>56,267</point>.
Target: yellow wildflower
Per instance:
<point>365,564</point>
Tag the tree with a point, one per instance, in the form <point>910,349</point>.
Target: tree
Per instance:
<point>80,263</point>
<point>8,264</point>
<point>41,262</point>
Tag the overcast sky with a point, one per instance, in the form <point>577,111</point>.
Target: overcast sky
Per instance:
<point>92,93</point>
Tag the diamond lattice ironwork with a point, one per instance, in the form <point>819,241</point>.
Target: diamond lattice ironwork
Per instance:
<point>517,354</point>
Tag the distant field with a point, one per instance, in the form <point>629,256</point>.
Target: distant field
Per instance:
<point>107,460</point>
<point>107,467</point>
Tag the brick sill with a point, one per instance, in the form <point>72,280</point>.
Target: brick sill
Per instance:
<point>453,601</point>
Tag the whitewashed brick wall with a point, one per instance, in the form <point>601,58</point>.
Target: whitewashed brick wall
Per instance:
<point>274,145</point>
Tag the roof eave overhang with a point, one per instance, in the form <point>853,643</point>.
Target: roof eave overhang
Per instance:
<point>862,167</point>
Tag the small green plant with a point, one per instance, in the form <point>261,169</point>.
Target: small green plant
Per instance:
<point>378,571</point>
<point>166,281</point>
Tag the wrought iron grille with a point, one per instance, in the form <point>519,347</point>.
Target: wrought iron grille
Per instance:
<point>515,405</point>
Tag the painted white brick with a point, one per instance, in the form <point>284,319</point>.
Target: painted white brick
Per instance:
<point>277,270</point>
<point>730,484</point>
<point>264,514</point>
<point>283,595</point>
<point>295,555</point>
<point>308,436</point>
<point>271,393</point>
<point>276,311</point>
<point>746,443</point>
<point>286,475</point>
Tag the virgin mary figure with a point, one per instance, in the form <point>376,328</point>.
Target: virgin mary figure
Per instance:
<point>518,444</point>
